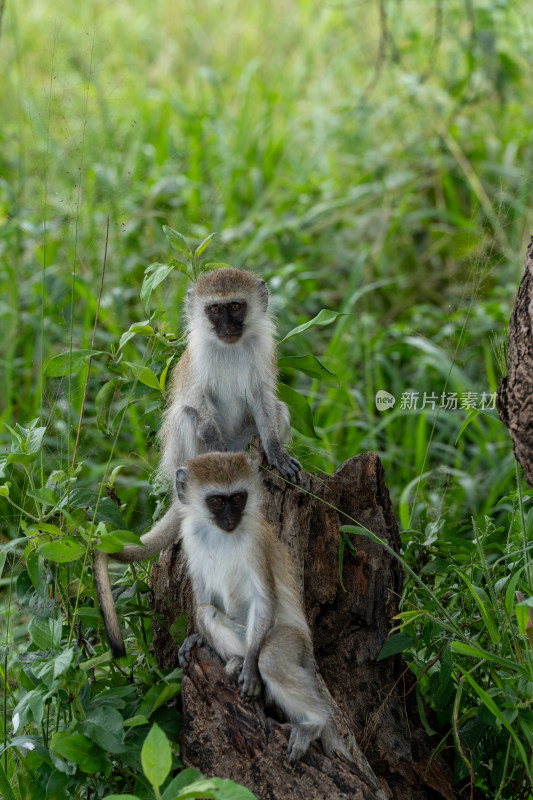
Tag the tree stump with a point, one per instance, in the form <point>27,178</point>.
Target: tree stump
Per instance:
<point>514,400</point>
<point>373,701</point>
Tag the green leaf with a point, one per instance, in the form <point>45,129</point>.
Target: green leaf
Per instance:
<point>153,276</point>
<point>156,696</point>
<point>103,401</point>
<point>45,632</point>
<point>121,797</point>
<point>33,744</point>
<point>221,788</point>
<point>396,643</point>
<point>203,245</point>
<point>156,756</point>
<point>35,440</point>
<point>19,458</point>
<point>163,376</point>
<point>49,669</point>
<point>104,726</point>
<point>68,362</point>
<point>301,414</point>
<point>104,658</point>
<point>324,317</point>
<point>108,511</point>
<point>45,527</point>
<point>178,629</point>
<point>5,787</point>
<point>491,705</point>
<point>134,722</point>
<point>472,414</point>
<point>62,551</point>
<point>478,652</point>
<point>177,242</point>
<point>309,365</point>
<point>228,790</point>
<point>144,375</point>
<point>136,327</point>
<point>483,603</point>
<point>522,617</point>
<point>180,782</point>
<point>77,748</point>
<point>43,495</point>
<point>115,541</point>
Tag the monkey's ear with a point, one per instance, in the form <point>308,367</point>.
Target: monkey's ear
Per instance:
<point>188,299</point>
<point>263,293</point>
<point>181,483</point>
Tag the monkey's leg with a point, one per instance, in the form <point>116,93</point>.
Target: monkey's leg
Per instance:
<point>287,669</point>
<point>180,440</point>
<point>225,636</point>
<point>273,424</point>
<point>164,533</point>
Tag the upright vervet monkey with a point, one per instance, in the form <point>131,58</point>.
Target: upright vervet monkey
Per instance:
<point>248,606</point>
<point>223,390</point>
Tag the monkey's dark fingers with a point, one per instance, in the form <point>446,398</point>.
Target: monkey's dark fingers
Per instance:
<point>234,666</point>
<point>288,466</point>
<point>302,734</point>
<point>250,683</point>
<point>184,656</point>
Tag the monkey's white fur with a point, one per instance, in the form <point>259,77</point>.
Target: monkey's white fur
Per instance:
<point>232,384</point>
<point>247,602</point>
<point>221,394</point>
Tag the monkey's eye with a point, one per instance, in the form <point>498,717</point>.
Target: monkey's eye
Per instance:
<point>235,307</point>
<point>217,501</point>
<point>215,309</point>
<point>237,499</point>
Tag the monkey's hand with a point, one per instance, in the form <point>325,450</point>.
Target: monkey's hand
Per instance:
<point>211,437</point>
<point>250,679</point>
<point>288,466</point>
<point>196,640</point>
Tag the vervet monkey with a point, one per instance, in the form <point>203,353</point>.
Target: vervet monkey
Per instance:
<point>223,390</point>
<point>247,602</point>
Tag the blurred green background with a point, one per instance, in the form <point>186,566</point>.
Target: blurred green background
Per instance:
<point>369,157</point>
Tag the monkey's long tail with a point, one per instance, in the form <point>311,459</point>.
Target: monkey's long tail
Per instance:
<point>107,605</point>
<point>331,741</point>
<point>164,533</point>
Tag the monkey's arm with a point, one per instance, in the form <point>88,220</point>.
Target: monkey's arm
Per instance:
<point>206,427</point>
<point>272,420</point>
<point>260,620</point>
<point>164,533</point>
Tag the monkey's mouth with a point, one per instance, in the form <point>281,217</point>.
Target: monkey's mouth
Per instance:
<point>230,338</point>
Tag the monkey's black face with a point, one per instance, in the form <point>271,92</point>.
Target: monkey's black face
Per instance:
<point>227,509</point>
<point>227,319</point>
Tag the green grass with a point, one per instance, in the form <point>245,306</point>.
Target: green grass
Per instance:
<point>370,158</point>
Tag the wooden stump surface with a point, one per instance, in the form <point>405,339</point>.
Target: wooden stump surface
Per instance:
<point>373,701</point>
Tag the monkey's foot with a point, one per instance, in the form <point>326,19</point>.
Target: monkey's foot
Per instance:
<point>302,734</point>
<point>250,681</point>
<point>184,656</point>
<point>234,666</point>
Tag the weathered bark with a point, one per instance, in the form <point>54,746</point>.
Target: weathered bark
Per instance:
<point>514,400</point>
<point>372,700</point>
